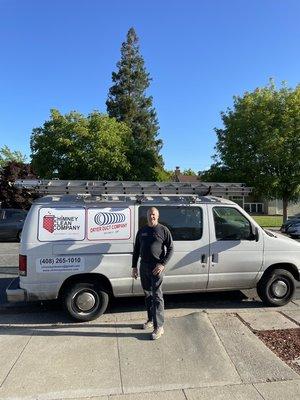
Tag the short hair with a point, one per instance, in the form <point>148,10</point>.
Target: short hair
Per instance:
<point>152,209</point>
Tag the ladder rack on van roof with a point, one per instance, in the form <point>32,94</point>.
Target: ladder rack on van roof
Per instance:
<point>132,188</point>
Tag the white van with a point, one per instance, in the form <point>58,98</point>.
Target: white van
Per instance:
<point>79,249</point>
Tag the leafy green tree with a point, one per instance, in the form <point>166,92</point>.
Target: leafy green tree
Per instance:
<point>127,102</point>
<point>163,175</point>
<point>6,156</point>
<point>220,173</point>
<point>72,146</point>
<point>189,172</point>
<point>261,141</point>
<point>10,196</point>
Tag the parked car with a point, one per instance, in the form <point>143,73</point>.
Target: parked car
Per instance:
<point>295,219</point>
<point>294,230</point>
<point>11,223</point>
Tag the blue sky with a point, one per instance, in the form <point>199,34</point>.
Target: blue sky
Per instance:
<point>61,53</point>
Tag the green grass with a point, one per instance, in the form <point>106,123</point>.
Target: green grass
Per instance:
<point>274,221</point>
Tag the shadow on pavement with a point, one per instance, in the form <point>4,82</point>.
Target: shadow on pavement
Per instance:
<point>77,330</point>
<point>4,282</point>
<point>42,314</point>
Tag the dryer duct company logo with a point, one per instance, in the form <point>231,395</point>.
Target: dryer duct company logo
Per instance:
<point>108,223</point>
<point>106,218</point>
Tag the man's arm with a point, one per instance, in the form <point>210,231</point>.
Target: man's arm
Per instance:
<point>136,250</point>
<point>169,246</point>
<point>168,243</point>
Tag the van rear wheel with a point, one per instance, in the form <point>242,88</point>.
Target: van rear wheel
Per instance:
<point>85,301</point>
<point>276,288</point>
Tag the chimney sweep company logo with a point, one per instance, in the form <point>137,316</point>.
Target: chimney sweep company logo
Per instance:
<point>52,223</point>
<point>48,223</point>
<point>105,218</point>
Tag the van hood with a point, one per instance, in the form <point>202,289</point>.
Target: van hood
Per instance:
<point>276,241</point>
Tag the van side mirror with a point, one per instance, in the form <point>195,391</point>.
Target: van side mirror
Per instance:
<point>255,233</point>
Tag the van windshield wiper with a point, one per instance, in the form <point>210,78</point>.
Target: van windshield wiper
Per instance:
<point>269,233</point>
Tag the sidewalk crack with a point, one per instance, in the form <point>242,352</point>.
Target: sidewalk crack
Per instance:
<point>119,358</point>
<point>289,318</point>
<point>17,359</point>
<point>258,391</point>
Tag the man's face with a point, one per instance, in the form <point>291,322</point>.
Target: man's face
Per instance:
<point>152,216</point>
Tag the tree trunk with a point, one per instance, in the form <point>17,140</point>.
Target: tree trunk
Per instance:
<point>285,203</point>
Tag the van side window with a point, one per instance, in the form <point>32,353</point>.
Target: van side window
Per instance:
<point>185,223</point>
<point>230,224</point>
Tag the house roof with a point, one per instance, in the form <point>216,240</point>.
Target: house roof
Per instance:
<point>186,178</point>
<point>179,177</point>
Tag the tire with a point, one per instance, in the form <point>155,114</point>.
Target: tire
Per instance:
<point>276,288</point>
<point>85,301</point>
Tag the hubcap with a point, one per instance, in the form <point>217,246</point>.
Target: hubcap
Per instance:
<point>85,301</point>
<point>279,288</point>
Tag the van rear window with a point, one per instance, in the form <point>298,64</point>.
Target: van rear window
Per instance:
<point>185,223</point>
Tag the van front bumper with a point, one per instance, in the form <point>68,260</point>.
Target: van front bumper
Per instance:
<point>14,293</point>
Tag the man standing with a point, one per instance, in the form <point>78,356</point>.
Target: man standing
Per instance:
<point>154,245</point>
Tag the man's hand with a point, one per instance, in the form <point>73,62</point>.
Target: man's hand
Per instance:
<point>134,273</point>
<point>158,269</point>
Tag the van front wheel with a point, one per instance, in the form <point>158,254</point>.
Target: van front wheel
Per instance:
<point>85,301</point>
<point>276,288</point>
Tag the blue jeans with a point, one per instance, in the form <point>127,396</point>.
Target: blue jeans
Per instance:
<point>152,286</point>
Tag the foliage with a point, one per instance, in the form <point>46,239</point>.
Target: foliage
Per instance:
<point>261,140</point>
<point>7,155</point>
<point>10,196</point>
<point>163,175</point>
<point>268,221</point>
<point>77,147</point>
<point>127,102</point>
<point>220,173</point>
<point>189,172</point>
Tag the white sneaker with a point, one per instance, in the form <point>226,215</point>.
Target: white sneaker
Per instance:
<point>157,333</point>
<point>147,325</point>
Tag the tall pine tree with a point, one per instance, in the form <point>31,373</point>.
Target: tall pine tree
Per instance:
<point>127,102</point>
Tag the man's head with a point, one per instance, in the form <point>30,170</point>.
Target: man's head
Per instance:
<point>152,216</point>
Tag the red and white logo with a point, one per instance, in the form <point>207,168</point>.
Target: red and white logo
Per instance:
<point>61,224</point>
<point>48,223</point>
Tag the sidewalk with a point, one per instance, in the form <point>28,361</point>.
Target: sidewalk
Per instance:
<point>9,255</point>
<point>210,354</point>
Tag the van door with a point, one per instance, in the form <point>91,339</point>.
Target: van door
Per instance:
<point>236,257</point>
<point>188,268</point>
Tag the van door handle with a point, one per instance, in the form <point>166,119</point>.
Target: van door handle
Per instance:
<point>203,258</point>
<point>214,258</point>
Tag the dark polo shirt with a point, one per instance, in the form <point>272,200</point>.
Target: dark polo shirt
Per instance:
<point>153,244</point>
